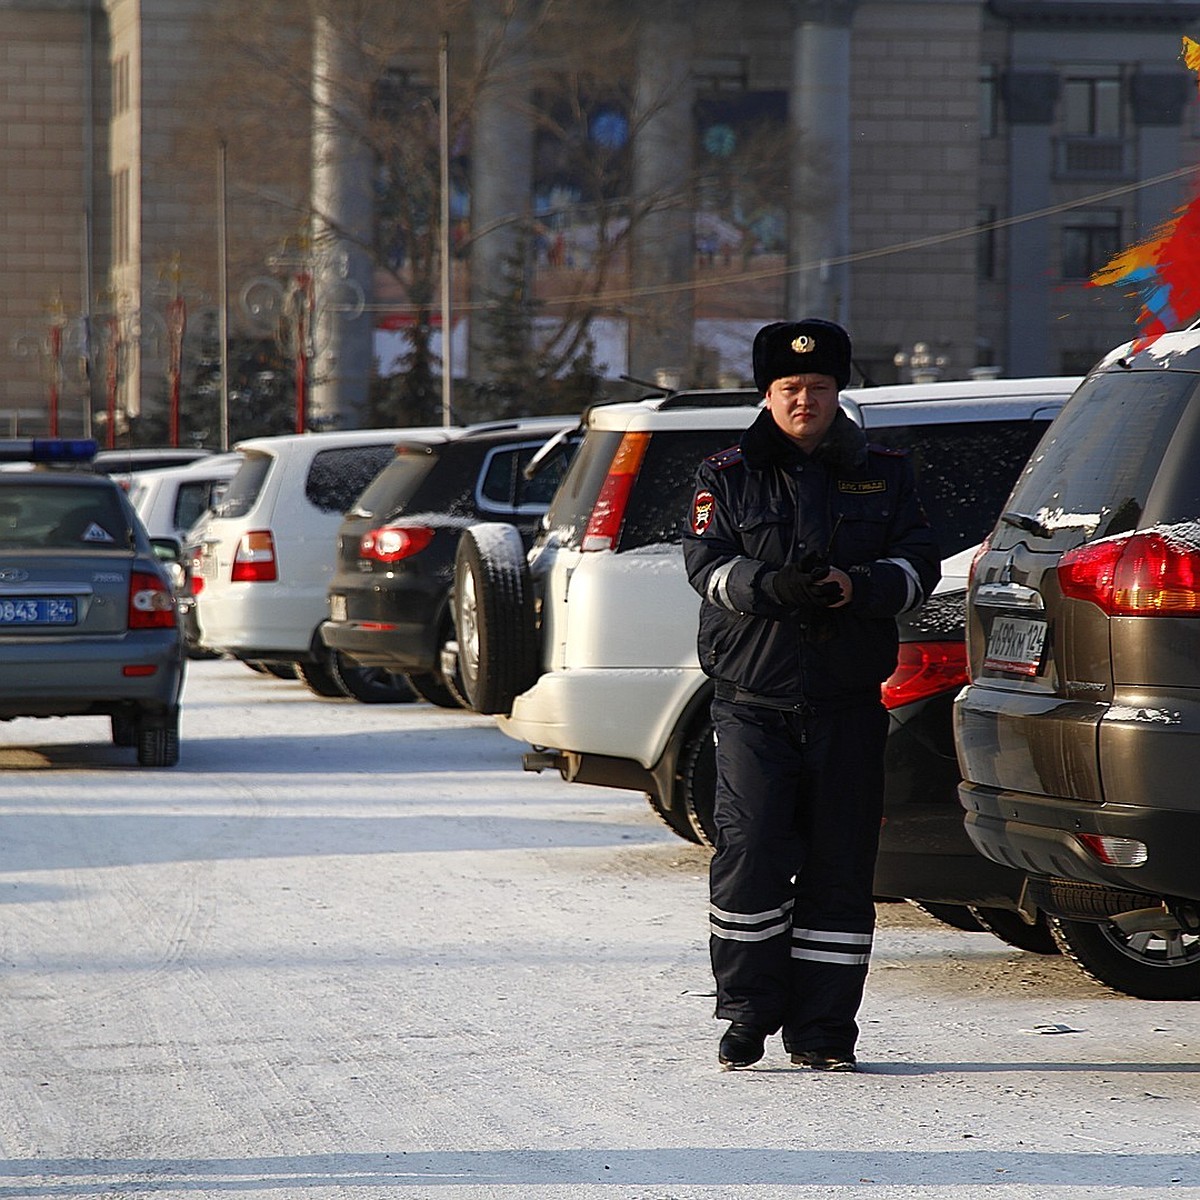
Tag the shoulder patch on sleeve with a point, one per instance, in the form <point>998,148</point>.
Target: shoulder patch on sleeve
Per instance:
<point>888,451</point>
<point>703,504</point>
<point>724,458</point>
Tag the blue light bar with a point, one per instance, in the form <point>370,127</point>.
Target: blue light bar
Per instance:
<point>47,450</point>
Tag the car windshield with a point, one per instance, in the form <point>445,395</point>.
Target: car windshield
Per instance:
<point>242,492</point>
<point>392,488</point>
<point>51,515</point>
<point>1091,475</point>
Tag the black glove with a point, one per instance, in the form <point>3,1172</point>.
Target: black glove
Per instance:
<point>799,585</point>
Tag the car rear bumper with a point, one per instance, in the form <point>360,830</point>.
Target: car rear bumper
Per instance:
<point>1038,835</point>
<point>399,646</point>
<point>618,713</point>
<point>91,678</point>
<point>251,620</point>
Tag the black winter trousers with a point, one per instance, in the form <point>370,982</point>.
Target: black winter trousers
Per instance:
<point>799,802</point>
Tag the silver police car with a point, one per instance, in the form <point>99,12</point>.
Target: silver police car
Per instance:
<point>88,622</point>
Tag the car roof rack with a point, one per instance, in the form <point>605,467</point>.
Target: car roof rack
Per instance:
<point>716,398</point>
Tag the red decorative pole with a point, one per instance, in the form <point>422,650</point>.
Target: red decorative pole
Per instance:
<point>176,326</point>
<point>303,297</point>
<point>112,376</point>
<point>57,324</point>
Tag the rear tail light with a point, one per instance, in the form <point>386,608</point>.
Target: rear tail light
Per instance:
<point>1115,851</point>
<point>984,547</point>
<point>604,525</point>
<point>1136,575</point>
<point>254,559</point>
<point>925,669</point>
<point>151,605</point>
<point>394,542</point>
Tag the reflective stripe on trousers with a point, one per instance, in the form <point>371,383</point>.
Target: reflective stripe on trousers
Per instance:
<point>798,806</point>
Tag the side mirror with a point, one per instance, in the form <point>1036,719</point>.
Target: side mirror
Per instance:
<point>167,549</point>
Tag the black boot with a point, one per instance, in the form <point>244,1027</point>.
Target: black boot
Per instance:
<point>741,1046</point>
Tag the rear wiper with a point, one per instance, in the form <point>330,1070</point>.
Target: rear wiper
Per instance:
<point>1027,523</point>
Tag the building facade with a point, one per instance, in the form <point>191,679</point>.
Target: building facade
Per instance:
<point>955,171</point>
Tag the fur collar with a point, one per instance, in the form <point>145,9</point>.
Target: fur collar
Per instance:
<point>764,444</point>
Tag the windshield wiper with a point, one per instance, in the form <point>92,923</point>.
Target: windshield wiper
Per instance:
<point>1027,523</point>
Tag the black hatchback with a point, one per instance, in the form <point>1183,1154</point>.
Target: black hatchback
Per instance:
<point>389,596</point>
<point>1079,736</point>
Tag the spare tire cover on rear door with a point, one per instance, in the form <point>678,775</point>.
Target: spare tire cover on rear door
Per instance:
<point>494,617</point>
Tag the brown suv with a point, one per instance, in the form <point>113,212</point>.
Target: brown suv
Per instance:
<point>1079,735</point>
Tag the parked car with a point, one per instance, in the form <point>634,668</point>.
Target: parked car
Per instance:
<point>170,500</point>
<point>607,688</point>
<point>88,624</point>
<point>389,599</point>
<point>263,558</point>
<point>1079,735</point>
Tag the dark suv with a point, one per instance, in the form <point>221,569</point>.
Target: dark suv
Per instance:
<point>389,596</point>
<point>1078,732</point>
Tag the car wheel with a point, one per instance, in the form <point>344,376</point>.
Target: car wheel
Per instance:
<point>320,677</point>
<point>124,729</point>
<point>1150,966</point>
<point>696,788</point>
<point>494,617</point>
<point>158,744</point>
<point>430,687</point>
<point>957,916</point>
<point>371,685</point>
<point>1010,927</point>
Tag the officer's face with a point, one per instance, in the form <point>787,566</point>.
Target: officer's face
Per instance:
<point>804,407</point>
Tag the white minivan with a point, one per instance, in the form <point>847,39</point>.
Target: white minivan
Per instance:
<point>262,559</point>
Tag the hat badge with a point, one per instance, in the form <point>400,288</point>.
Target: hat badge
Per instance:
<point>803,344</point>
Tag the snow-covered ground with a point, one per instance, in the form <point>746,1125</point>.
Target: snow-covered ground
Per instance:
<point>353,951</point>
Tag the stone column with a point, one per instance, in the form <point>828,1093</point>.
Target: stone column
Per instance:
<point>663,250</point>
<point>1030,98</point>
<point>819,120</point>
<point>343,213</point>
<point>501,159</point>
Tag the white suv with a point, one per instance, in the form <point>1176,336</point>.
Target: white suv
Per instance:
<point>263,558</point>
<point>586,647</point>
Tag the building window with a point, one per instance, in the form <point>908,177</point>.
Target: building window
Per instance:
<point>1091,105</point>
<point>120,216</point>
<point>120,85</point>
<point>989,101</point>
<point>985,243</point>
<point>1089,240</point>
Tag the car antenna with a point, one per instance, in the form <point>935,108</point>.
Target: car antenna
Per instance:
<point>654,387</point>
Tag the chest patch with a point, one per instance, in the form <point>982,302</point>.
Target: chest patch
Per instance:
<point>862,487</point>
<point>702,511</point>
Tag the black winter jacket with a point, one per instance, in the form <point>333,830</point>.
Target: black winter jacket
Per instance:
<point>765,503</point>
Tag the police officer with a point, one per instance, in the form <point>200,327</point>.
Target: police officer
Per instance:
<point>805,542</point>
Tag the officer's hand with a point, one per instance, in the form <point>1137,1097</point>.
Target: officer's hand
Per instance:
<point>800,586</point>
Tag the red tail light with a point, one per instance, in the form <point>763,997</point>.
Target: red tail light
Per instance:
<point>925,669</point>
<point>151,605</point>
<point>254,559</point>
<point>604,525</point>
<point>984,547</point>
<point>390,543</point>
<point>1136,575</point>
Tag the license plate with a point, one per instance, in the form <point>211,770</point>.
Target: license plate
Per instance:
<point>38,610</point>
<point>1015,646</point>
<point>205,566</point>
<point>337,608</point>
